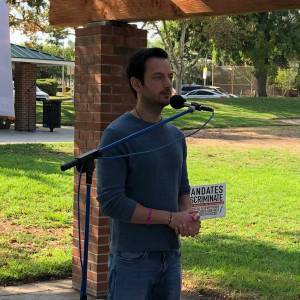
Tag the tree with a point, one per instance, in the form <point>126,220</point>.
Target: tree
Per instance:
<point>267,41</point>
<point>57,50</point>
<point>186,41</point>
<point>33,17</point>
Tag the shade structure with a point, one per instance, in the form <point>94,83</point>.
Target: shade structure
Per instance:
<point>80,12</point>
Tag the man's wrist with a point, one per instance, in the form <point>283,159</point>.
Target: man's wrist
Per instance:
<point>170,218</point>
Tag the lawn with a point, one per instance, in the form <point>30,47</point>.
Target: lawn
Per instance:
<point>252,253</point>
<point>231,112</point>
<point>240,112</point>
<point>254,250</point>
<point>35,212</point>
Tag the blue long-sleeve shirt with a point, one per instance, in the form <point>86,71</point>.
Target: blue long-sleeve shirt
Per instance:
<point>153,179</point>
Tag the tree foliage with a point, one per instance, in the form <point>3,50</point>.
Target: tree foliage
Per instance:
<point>267,41</point>
<point>31,18</point>
<point>186,41</point>
<point>67,52</point>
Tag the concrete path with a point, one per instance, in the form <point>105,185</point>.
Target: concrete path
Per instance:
<point>41,135</point>
<point>51,290</point>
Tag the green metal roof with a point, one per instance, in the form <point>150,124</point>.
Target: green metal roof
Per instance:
<point>23,54</point>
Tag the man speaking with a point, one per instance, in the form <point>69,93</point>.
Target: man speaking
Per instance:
<point>146,196</point>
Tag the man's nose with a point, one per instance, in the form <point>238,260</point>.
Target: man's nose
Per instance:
<point>168,82</point>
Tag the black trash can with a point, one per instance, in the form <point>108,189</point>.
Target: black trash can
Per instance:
<point>51,114</point>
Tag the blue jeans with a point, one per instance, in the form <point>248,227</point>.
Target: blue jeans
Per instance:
<point>145,275</point>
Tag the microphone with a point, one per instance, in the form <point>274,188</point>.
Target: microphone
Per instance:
<point>178,102</point>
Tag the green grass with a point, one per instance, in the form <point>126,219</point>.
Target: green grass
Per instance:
<point>35,211</point>
<point>252,253</point>
<point>239,112</point>
<point>231,112</point>
<point>254,250</point>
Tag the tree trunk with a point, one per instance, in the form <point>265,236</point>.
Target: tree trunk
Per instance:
<point>262,86</point>
<point>178,83</point>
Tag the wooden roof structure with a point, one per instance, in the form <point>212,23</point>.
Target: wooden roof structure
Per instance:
<point>67,13</point>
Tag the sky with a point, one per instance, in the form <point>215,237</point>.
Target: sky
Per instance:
<point>18,38</point>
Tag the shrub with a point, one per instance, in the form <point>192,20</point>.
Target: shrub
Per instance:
<point>47,85</point>
<point>59,89</point>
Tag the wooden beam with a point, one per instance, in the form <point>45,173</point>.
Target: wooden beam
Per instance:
<point>81,12</point>
<point>229,7</point>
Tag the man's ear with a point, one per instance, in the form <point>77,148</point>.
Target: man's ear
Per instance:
<point>135,83</point>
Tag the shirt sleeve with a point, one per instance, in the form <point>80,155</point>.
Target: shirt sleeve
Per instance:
<point>111,180</point>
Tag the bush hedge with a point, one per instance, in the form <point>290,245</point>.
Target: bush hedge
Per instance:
<point>47,85</point>
<point>59,89</point>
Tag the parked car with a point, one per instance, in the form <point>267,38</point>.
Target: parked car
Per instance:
<point>40,95</point>
<point>222,91</point>
<point>190,87</point>
<point>204,93</point>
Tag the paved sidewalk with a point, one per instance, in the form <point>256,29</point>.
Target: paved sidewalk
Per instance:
<point>41,135</point>
<point>51,290</point>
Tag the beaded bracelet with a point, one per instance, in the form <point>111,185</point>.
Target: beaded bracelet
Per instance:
<point>170,218</point>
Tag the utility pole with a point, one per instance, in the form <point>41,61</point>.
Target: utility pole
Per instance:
<point>63,72</point>
<point>205,70</point>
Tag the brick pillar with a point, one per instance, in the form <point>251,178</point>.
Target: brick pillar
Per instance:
<point>25,97</point>
<point>101,95</point>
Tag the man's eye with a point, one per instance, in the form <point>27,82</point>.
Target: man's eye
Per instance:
<point>157,77</point>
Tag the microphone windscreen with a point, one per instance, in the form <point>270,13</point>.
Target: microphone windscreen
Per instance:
<point>177,101</point>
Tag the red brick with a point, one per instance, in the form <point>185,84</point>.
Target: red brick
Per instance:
<point>81,32</point>
<point>100,49</point>
<point>94,69</point>
<point>86,98</point>
<point>87,59</point>
<point>106,29</point>
<point>94,88</point>
<point>81,69</point>
<point>111,98</point>
<point>92,144</point>
<point>121,108</point>
<point>80,143</point>
<point>142,33</point>
<point>109,59</point>
<point>87,40</point>
<point>91,78</point>
<point>110,117</point>
<point>112,79</point>
<point>102,94</point>
<point>120,90</point>
<point>25,78</point>
<point>80,50</point>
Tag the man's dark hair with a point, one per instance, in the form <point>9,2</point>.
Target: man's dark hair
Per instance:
<point>137,61</point>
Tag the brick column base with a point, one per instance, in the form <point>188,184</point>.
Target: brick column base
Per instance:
<point>25,97</point>
<point>101,95</point>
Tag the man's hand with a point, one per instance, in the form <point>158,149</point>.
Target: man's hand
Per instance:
<point>186,223</point>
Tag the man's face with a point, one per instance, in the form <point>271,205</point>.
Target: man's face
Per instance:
<point>157,88</point>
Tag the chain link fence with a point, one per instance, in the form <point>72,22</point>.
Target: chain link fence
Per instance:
<point>235,80</point>
<point>241,82</point>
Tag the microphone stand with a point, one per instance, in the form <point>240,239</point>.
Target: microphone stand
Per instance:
<point>85,164</point>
